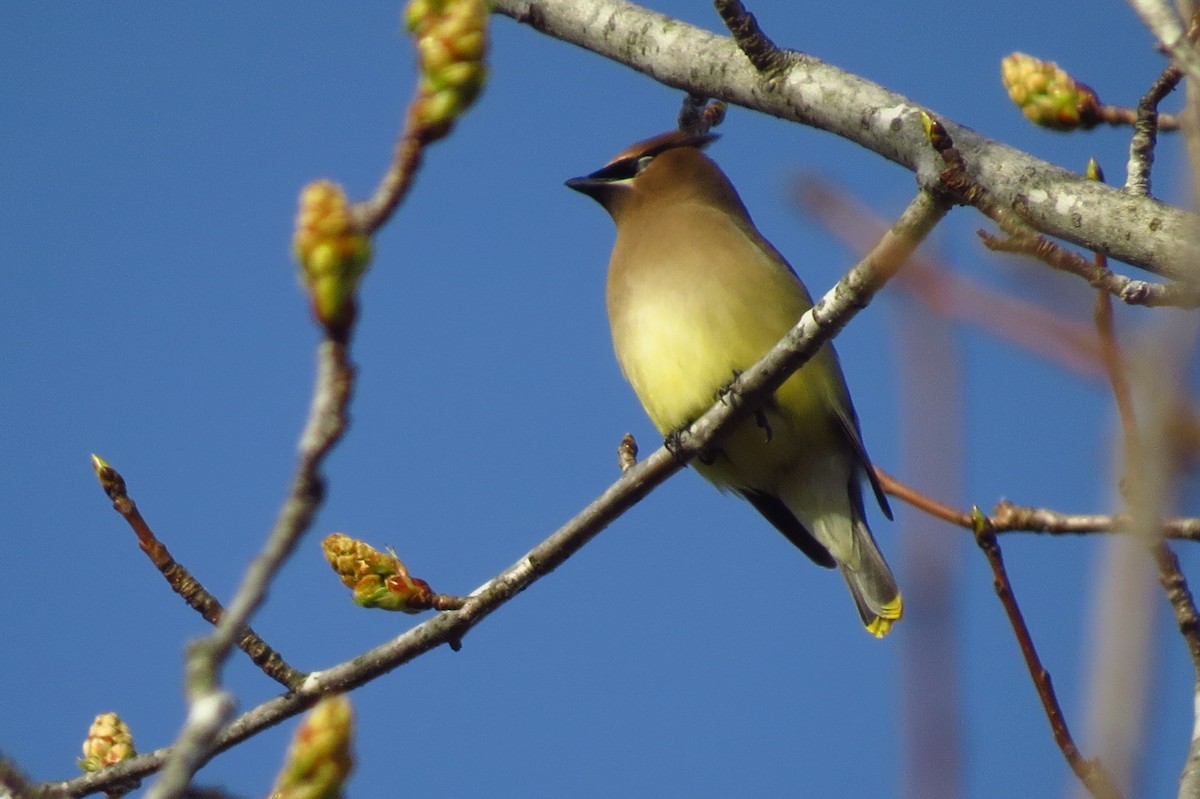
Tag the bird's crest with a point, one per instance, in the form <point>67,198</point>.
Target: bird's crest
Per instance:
<point>655,145</point>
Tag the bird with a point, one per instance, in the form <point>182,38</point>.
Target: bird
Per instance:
<point>696,295</point>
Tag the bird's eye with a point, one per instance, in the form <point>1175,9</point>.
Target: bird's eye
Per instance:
<point>624,169</point>
<point>643,162</point>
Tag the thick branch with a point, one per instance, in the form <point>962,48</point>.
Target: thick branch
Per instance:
<point>1136,230</point>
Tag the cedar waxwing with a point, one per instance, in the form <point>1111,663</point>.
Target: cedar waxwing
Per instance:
<point>695,295</point>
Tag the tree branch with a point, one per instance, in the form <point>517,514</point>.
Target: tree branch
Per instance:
<point>209,706</point>
<point>1145,131</point>
<point>1009,518</point>
<point>183,583</point>
<point>1090,772</point>
<point>1136,230</point>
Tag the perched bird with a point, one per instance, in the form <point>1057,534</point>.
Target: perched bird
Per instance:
<point>695,295</point>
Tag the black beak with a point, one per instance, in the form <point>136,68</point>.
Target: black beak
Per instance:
<point>585,185</point>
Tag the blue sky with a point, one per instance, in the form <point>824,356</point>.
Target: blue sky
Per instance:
<point>151,314</point>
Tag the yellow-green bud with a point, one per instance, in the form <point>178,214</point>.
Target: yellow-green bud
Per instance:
<point>108,741</point>
<point>379,579</point>
<point>319,760</point>
<point>1047,95</point>
<point>451,46</point>
<point>333,254</point>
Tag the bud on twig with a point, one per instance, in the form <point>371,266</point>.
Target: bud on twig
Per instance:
<point>108,741</point>
<point>451,44</point>
<point>1047,95</point>
<point>379,579</point>
<point>319,760</point>
<point>333,255</point>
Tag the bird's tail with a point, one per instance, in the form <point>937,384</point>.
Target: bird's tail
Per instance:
<point>871,583</point>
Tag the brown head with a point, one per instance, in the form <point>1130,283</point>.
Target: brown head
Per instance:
<point>666,168</point>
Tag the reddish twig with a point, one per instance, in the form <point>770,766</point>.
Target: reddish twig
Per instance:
<point>1110,357</point>
<point>183,583</point>
<point>1009,518</point>
<point>1170,576</point>
<point>1090,772</point>
<point>371,214</point>
<point>946,291</point>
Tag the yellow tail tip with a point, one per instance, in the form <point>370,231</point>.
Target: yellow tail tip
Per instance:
<point>889,615</point>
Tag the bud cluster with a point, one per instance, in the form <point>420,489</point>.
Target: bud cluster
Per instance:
<point>379,579</point>
<point>332,252</point>
<point>319,759</point>
<point>451,43</point>
<point>1047,95</point>
<point>108,741</point>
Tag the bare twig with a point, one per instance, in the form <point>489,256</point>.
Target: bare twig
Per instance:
<point>929,402</point>
<point>1015,518</point>
<point>817,326</point>
<point>370,215</point>
<point>1110,356</point>
<point>766,57</point>
<point>1180,597</point>
<point>183,583</point>
<point>209,707</point>
<point>1021,240</point>
<point>1145,131</point>
<point>1090,772</point>
<point>1144,499</point>
<point>1009,518</point>
<point>1120,116</point>
<point>12,780</point>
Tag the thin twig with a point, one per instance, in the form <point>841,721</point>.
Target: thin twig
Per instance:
<point>1145,131</point>
<point>1180,597</point>
<point>1122,117</point>
<point>1110,357</point>
<point>1132,292</point>
<point>1090,772</point>
<point>1015,518</point>
<point>1143,495</point>
<point>1009,518</point>
<point>209,707</point>
<point>1170,576</point>
<point>370,215</point>
<point>763,53</point>
<point>188,587</point>
<point>12,779</point>
<point>817,326</point>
